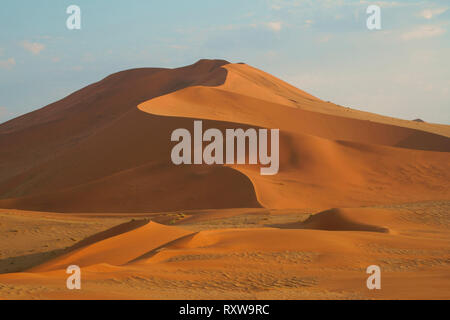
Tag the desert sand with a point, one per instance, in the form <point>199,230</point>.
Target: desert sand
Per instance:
<point>88,181</point>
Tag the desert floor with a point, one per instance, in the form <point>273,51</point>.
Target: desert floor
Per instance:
<point>229,254</point>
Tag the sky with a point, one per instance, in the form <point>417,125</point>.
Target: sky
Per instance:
<point>321,46</point>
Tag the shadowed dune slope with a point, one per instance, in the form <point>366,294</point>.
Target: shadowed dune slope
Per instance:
<point>42,135</point>
<point>97,151</point>
<point>94,151</point>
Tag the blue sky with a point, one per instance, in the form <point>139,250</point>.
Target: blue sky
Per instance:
<point>320,46</point>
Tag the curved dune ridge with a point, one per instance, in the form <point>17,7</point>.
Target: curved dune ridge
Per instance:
<point>141,242</point>
<point>251,96</point>
<point>116,247</point>
<point>97,151</point>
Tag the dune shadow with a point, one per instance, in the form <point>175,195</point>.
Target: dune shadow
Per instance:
<point>27,261</point>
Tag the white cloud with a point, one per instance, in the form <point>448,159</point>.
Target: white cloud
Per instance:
<point>275,26</point>
<point>427,31</point>
<point>33,47</point>
<point>430,13</point>
<point>8,63</point>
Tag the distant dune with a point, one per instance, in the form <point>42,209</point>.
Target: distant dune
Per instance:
<point>106,148</point>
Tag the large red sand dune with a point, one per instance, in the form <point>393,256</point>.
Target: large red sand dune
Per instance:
<point>106,148</point>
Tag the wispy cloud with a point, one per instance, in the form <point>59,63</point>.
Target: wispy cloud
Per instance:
<point>275,7</point>
<point>308,23</point>
<point>274,25</point>
<point>430,13</point>
<point>8,63</point>
<point>323,38</point>
<point>33,47</point>
<point>4,112</point>
<point>421,32</point>
<point>389,4</point>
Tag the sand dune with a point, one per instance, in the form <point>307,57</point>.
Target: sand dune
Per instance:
<point>96,151</point>
<point>357,219</point>
<point>118,247</point>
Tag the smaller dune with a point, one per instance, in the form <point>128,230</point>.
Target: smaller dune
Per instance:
<point>369,220</point>
<point>116,246</point>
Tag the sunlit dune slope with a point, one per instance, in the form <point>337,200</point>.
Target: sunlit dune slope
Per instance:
<point>253,97</point>
<point>117,249</point>
<point>327,158</point>
<point>320,173</point>
<point>106,148</point>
